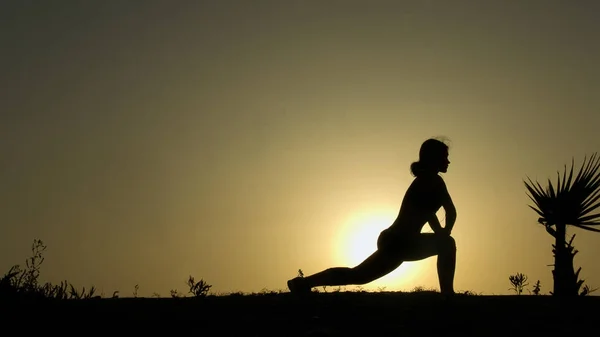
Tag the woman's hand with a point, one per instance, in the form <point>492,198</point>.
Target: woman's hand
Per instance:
<point>445,231</point>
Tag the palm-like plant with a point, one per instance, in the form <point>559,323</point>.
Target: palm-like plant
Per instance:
<point>572,202</point>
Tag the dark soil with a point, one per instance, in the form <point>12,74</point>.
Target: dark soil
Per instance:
<point>319,314</point>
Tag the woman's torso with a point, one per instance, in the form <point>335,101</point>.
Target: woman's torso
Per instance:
<point>421,201</point>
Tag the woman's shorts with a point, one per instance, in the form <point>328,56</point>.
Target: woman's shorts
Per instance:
<point>396,243</point>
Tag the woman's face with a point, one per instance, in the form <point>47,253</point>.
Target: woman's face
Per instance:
<point>444,162</point>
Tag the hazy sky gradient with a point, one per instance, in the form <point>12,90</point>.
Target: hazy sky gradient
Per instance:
<point>238,141</point>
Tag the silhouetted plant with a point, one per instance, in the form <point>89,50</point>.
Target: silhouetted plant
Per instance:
<point>24,283</point>
<point>422,289</point>
<point>75,294</point>
<point>198,289</point>
<point>8,281</point>
<point>469,293</point>
<point>33,264</point>
<point>59,291</point>
<point>537,288</point>
<point>518,282</point>
<point>25,280</point>
<point>135,290</point>
<point>19,282</point>
<point>268,292</point>
<point>587,290</point>
<point>569,255</point>
<point>570,203</point>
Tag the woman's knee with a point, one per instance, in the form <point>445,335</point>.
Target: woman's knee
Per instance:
<point>447,244</point>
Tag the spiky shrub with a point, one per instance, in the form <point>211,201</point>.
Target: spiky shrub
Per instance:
<point>537,288</point>
<point>518,282</point>
<point>23,283</point>
<point>573,202</point>
<point>198,289</point>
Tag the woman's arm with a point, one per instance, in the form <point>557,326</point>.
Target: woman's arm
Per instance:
<point>434,223</point>
<point>449,208</point>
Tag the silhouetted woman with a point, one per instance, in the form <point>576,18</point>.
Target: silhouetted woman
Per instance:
<point>403,240</point>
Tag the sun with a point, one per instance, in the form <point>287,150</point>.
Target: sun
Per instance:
<point>357,239</point>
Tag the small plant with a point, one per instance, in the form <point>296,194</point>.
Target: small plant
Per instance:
<point>175,293</point>
<point>587,290</point>
<point>20,283</point>
<point>537,288</point>
<point>30,277</point>
<point>77,295</point>
<point>518,282</point>
<point>421,289</point>
<point>198,289</point>
<point>59,291</point>
<point>265,291</point>
<point>135,290</point>
<point>469,293</point>
<point>25,280</point>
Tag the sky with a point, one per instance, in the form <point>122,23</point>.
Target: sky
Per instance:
<point>240,141</point>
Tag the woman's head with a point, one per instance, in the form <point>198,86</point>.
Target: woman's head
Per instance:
<point>433,158</point>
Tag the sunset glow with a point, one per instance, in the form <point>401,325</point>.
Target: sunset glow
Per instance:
<point>358,239</point>
<point>240,141</point>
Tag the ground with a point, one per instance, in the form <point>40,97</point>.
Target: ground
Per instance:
<point>319,314</point>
